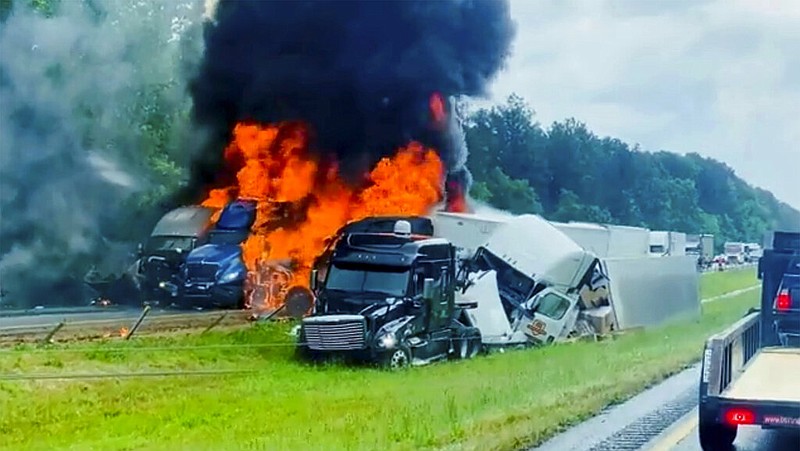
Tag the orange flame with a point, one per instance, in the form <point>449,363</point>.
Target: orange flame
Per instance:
<point>438,110</point>
<point>457,199</point>
<point>301,202</point>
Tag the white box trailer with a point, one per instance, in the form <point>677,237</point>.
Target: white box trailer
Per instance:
<point>667,243</point>
<point>466,231</point>
<point>533,284</point>
<point>594,238</point>
<point>607,240</point>
<point>627,241</point>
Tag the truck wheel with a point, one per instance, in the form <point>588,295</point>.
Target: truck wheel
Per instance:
<point>397,359</point>
<point>468,343</point>
<point>715,436</point>
<point>303,353</point>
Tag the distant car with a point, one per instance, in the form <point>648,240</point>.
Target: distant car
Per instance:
<point>786,306</point>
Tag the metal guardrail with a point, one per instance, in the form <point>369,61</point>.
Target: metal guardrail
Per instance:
<point>728,352</point>
<point>123,326</point>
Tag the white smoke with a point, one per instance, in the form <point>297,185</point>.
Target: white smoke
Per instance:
<point>79,91</point>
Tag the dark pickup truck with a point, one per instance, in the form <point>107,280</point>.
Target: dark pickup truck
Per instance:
<point>751,372</point>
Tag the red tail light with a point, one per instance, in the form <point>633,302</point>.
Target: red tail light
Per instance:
<point>784,300</point>
<point>738,416</point>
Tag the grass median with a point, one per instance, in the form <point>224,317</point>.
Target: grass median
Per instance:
<point>501,401</point>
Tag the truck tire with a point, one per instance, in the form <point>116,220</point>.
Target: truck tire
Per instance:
<point>468,343</point>
<point>303,353</point>
<point>715,436</point>
<point>397,359</point>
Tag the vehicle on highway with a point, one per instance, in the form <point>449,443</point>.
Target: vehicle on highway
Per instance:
<point>388,296</point>
<point>734,252</point>
<point>162,256</point>
<point>750,371</point>
<point>215,273</point>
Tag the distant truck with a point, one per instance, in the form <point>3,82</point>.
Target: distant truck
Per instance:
<point>750,371</point>
<point>214,273</point>
<point>388,296</point>
<point>702,247</point>
<point>667,243</point>
<point>734,252</point>
<point>752,252</point>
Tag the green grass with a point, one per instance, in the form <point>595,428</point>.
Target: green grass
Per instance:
<point>721,282</point>
<point>501,401</point>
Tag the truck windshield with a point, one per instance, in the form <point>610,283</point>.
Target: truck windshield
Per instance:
<point>169,243</point>
<point>392,281</point>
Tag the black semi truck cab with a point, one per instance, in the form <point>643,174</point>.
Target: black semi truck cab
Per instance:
<point>751,371</point>
<point>387,295</point>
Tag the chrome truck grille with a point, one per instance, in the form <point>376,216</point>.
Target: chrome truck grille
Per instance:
<point>335,333</point>
<point>201,272</point>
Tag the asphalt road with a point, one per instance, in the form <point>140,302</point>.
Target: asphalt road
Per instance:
<point>749,438</point>
<point>30,319</point>
<point>661,418</point>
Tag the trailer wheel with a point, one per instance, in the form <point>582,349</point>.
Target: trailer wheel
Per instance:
<point>715,436</point>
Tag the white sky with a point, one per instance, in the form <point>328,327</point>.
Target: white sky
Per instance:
<point>716,77</point>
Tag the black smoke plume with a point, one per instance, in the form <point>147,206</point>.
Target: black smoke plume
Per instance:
<point>360,73</point>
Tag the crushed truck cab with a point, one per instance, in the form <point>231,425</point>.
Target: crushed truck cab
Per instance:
<point>385,293</point>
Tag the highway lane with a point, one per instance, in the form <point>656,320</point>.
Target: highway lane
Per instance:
<point>38,319</point>
<point>661,418</point>
<point>683,436</point>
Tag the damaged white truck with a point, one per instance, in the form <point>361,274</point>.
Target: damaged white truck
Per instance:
<point>507,281</point>
<point>533,284</point>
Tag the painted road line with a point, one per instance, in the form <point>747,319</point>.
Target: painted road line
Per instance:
<point>730,294</point>
<point>674,434</point>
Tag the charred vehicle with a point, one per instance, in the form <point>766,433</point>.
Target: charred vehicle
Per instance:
<point>388,296</point>
<point>214,273</point>
<point>162,256</point>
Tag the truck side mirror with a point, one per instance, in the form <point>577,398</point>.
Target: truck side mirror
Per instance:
<point>427,289</point>
<point>139,250</point>
<point>313,282</point>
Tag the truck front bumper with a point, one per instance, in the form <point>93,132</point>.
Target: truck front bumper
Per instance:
<point>213,295</point>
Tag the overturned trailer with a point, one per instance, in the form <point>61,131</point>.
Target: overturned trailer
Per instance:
<point>533,284</point>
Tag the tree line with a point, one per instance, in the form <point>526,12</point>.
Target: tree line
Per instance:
<point>567,173</point>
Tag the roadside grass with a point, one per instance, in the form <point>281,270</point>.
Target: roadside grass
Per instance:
<point>720,282</point>
<point>501,401</point>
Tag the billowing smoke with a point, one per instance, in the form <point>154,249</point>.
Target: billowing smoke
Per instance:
<point>360,73</point>
<point>76,88</point>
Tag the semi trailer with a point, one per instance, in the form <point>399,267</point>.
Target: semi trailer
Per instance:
<point>750,371</point>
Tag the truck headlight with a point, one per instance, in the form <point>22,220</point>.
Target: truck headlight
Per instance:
<point>230,276</point>
<point>387,341</point>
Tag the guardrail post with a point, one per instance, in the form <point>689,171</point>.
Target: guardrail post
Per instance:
<point>49,337</point>
<point>138,322</point>
<point>215,322</point>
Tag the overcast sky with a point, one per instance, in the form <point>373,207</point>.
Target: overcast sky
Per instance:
<point>718,77</point>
